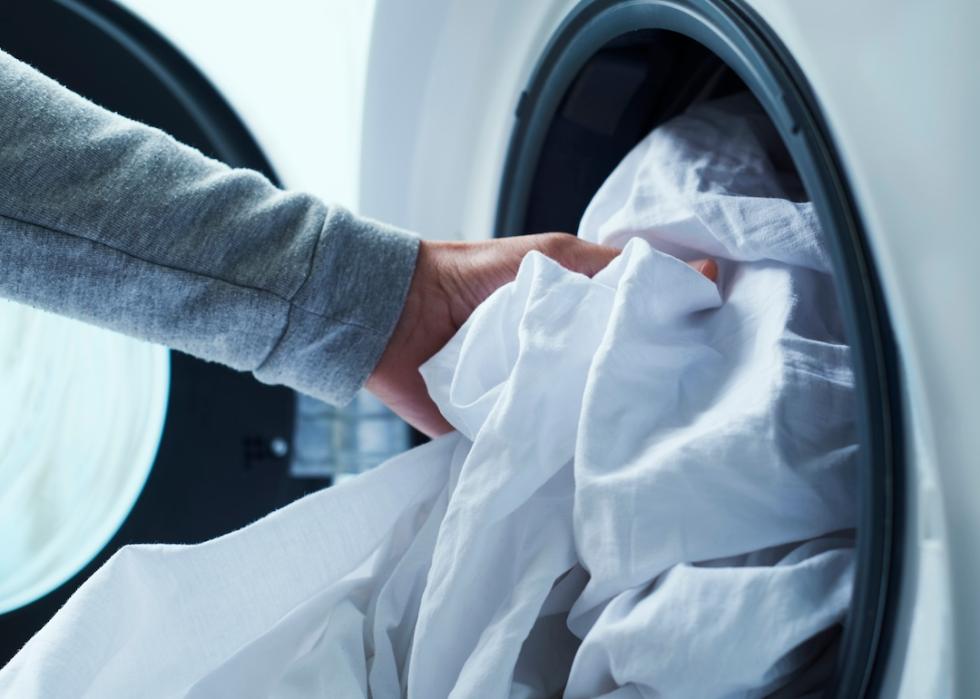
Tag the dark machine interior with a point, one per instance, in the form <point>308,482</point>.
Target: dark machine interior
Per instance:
<point>624,91</point>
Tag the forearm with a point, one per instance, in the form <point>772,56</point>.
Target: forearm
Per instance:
<point>115,223</point>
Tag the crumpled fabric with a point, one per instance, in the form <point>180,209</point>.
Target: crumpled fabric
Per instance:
<point>718,520</point>
<point>650,492</point>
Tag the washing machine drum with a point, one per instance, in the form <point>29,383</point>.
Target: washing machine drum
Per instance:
<point>614,71</point>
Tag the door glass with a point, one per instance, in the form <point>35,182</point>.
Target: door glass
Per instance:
<point>81,415</point>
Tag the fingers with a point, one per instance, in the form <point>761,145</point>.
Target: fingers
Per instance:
<point>707,267</point>
<point>589,259</point>
<point>572,252</point>
<point>596,257</point>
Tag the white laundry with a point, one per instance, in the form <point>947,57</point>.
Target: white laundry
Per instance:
<point>650,492</point>
<point>755,446</point>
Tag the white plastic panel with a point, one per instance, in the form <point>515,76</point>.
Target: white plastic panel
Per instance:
<point>898,84</point>
<point>453,80</point>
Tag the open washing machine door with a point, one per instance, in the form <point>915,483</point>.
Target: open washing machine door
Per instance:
<point>512,114</point>
<point>232,449</point>
<point>222,460</point>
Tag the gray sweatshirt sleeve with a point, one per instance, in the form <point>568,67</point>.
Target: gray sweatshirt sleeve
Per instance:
<point>115,223</point>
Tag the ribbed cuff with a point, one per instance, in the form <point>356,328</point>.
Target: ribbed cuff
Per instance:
<point>341,318</point>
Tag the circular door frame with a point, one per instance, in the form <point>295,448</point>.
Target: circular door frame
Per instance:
<point>733,32</point>
<point>239,465</point>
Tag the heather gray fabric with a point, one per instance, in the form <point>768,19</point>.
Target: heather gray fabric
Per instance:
<point>113,222</point>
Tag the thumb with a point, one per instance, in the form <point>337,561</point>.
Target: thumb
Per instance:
<point>707,267</point>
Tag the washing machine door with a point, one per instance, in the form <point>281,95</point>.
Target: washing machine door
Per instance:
<point>223,459</point>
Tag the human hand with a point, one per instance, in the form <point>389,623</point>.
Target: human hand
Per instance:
<point>450,281</point>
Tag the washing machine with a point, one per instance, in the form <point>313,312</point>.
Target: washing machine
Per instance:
<point>465,120</point>
<point>511,114</point>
